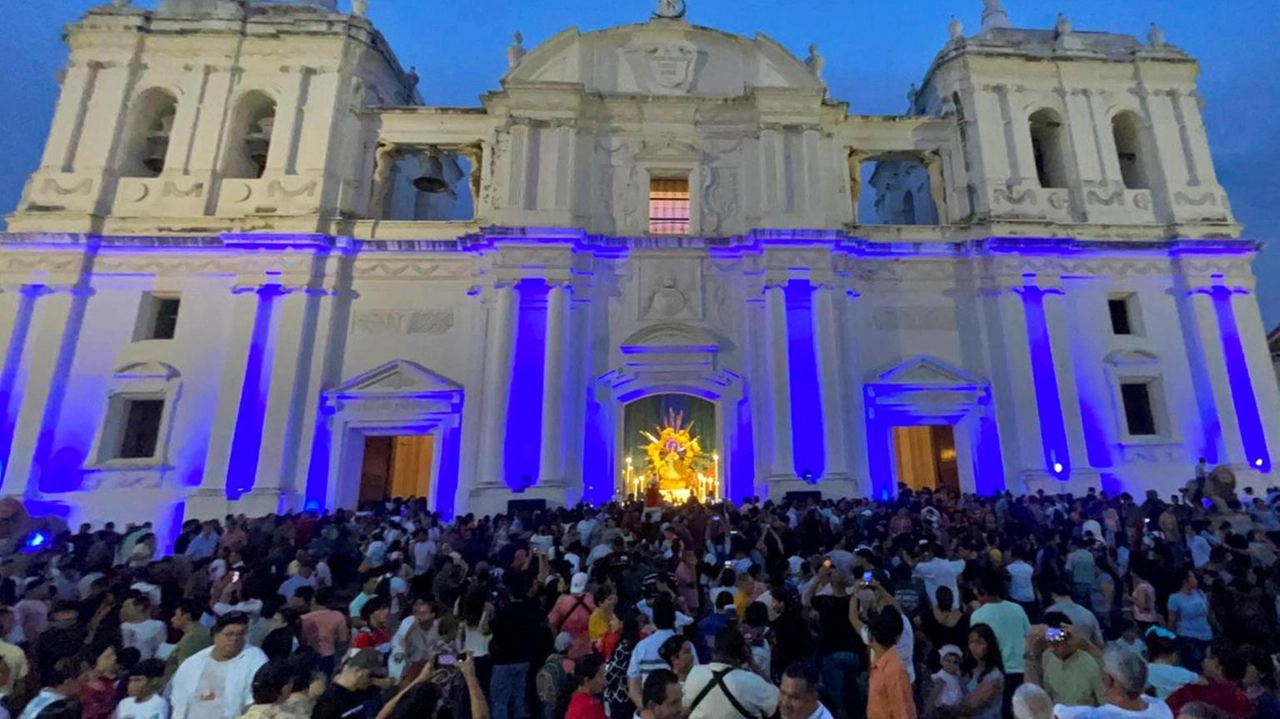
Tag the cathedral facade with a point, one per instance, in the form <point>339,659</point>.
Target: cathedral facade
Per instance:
<point>253,273</point>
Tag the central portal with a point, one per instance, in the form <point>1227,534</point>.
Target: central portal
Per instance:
<point>669,449</point>
<point>396,468</point>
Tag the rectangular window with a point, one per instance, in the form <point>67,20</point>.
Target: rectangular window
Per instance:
<point>669,206</point>
<point>141,428</point>
<point>1121,321</point>
<point>157,317</point>
<point>1138,412</point>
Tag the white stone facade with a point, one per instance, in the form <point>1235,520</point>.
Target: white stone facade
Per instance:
<point>260,169</point>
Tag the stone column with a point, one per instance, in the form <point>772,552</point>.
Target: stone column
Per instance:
<point>778,373</point>
<point>497,384</point>
<point>1059,332</point>
<point>293,326</point>
<point>209,501</point>
<point>36,380</point>
<point>1213,363</point>
<point>1253,337</point>
<point>551,469</point>
<point>828,342</point>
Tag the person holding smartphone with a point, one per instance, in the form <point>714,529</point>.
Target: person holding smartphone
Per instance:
<point>1057,658</point>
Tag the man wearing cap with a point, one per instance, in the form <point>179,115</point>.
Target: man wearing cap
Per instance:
<point>217,683</point>
<point>352,689</point>
<point>572,614</point>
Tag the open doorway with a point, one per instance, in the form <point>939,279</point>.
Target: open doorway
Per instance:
<point>396,468</point>
<point>926,457</point>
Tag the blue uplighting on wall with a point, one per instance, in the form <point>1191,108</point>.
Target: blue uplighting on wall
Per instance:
<point>1053,432</point>
<point>1252,435</point>
<point>317,492</point>
<point>62,475</point>
<point>10,395</point>
<point>807,442</point>
<point>523,444</point>
<point>246,442</point>
<point>446,489</point>
<point>741,467</point>
<point>600,473</point>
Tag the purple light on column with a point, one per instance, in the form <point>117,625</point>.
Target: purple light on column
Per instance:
<point>739,484</point>
<point>246,442</point>
<point>8,376</point>
<point>806,400</point>
<point>317,493</point>
<point>1053,432</point>
<point>447,477</point>
<point>523,445</point>
<point>1252,435</point>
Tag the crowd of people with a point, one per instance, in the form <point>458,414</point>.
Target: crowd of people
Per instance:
<point>928,605</point>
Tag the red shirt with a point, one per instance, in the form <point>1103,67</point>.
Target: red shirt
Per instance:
<point>371,639</point>
<point>1222,695</point>
<point>585,706</point>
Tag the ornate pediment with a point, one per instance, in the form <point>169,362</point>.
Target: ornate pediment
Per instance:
<point>668,149</point>
<point>137,371</point>
<point>670,338</point>
<point>927,371</point>
<point>398,377</point>
<point>1132,358</point>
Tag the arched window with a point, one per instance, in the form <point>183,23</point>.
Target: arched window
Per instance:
<point>1127,130</point>
<point>249,143</point>
<point>1047,145</point>
<point>148,146</point>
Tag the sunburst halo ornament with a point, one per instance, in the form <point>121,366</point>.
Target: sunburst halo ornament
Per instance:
<point>674,455</point>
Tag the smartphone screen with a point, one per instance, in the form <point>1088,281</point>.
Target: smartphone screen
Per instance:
<point>1054,635</point>
<point>866,577</point>
<point>446,660</point>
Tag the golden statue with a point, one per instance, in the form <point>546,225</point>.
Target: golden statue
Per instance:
<point>675,458</point>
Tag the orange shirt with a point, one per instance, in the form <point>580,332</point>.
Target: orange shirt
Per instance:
<point>890,690</point>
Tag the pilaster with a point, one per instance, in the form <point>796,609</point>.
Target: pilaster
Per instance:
<point>57,311</point>
<point>778,372</point>
<point>827,344</point>
<point>551,469</point>
<point>497,384</point>
<point>210,500</point>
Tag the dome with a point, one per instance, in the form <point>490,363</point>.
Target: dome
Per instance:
<point>664,57</point>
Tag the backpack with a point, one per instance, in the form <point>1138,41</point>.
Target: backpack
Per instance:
<point>552,681</point>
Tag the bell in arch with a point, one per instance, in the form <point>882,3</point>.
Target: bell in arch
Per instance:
<point>432,179</point>
<point>258,142</point>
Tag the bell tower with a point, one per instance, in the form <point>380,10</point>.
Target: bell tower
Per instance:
<point>207,115</point>
<point>1065,127</point>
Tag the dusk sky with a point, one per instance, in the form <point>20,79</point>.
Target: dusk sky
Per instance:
<point>874,49</point>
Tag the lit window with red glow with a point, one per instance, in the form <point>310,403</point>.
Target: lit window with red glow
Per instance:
<point>669,206</point>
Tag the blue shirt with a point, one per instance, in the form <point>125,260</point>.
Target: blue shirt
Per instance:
<point>202,546</point>
<point>1193,615</point>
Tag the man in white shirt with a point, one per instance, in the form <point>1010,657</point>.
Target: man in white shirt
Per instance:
<point>798,693</point>
<point>937,571</point>
<point>424,550</point>
<point>138,629</point>
<point>217,683</point>
<point>724,689</point>
<point>645,657</point>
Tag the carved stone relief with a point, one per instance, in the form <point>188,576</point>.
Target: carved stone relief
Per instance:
<point>402,322</point>
<point>663,67</point>
<point>670,290</point>
<point>720,193</point>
